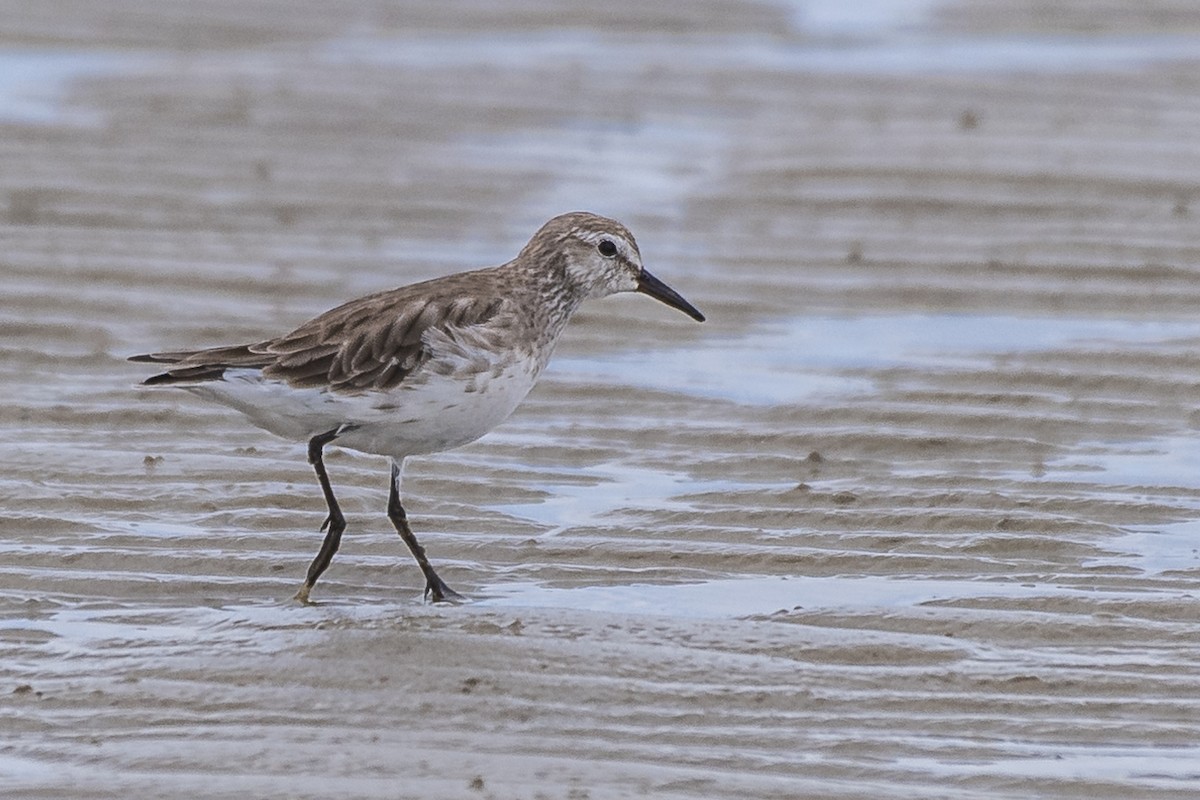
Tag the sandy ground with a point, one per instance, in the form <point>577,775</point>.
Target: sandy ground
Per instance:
<point>915,514</point>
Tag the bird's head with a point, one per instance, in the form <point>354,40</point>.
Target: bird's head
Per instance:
<point>599,257</point>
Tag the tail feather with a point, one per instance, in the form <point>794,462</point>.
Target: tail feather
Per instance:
<point>197,366</point>
<point>157,358</point>
<point>213,372</point>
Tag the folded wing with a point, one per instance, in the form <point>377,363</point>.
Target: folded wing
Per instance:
<point>374,342</point>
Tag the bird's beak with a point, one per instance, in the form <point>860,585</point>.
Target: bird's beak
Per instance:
<point>648,284</point>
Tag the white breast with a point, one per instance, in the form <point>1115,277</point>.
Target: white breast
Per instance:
<point>440,413</point>
<point>442,409</point>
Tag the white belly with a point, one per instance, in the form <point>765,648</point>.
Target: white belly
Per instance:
<point>436,413</point>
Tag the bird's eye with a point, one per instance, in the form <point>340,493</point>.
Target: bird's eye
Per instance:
<point>607,248</point>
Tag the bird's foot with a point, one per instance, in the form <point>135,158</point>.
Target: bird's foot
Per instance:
<point>302,595</point>
<point>436,591</point>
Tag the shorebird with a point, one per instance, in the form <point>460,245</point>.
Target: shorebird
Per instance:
<point>419,369</point>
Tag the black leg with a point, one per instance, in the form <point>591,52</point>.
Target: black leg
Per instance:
<point>435,587</point>
<point>334,524</point>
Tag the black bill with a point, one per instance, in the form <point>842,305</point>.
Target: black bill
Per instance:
<point>648,284</point>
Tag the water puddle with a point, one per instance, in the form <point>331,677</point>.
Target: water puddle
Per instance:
<point>33,83</point>
<point>1169,461</point>
<point>1156,549</point>
<point>153,634</point>
<point>741,597</point>
<point>601,489</point>
<point>989,54</point>
<point>876,37</point>
<point>865,18</point>
<point>799,359</point>
<point>1168,768</point>
<point>898,36</point>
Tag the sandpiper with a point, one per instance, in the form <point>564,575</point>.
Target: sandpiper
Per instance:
<point>422,368</point>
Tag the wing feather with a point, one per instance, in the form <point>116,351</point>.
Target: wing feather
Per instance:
<point>375,342</point>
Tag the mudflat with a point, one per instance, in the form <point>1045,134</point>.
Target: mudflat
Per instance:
<point>914,514</point>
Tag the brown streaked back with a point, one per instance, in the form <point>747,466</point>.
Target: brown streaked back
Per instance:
<point>373,342</point>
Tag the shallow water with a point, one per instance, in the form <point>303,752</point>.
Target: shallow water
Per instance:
<point>913,514</point>
<point>740,597</point>
<point>798,359</point>
<point>33,82</point>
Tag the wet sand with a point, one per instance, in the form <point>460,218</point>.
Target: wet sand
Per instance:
<point>915,514</point>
